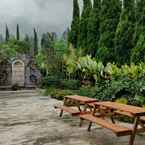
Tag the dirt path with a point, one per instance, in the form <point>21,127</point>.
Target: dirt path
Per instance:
<point>33,121</point>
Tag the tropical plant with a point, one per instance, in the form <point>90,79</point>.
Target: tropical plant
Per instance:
<point>70,62</point>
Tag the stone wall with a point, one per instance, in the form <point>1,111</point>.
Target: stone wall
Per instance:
<point>21,72</point>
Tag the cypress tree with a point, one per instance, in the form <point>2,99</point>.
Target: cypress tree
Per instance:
<point>35,42</point>
<point>18,33</point>
<point>109,19</point>
<point>7,35</point>
<point>87,6</point>
<point>138,52</point>
<point>74,33</point>
<point>93,28</point>
<point>125,32</point>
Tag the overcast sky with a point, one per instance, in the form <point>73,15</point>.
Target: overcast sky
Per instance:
<point>45,15</point>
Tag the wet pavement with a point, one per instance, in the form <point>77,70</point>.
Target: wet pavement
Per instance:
<point>32,120</point>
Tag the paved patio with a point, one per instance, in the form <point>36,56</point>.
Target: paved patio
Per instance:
<point>32,120</point>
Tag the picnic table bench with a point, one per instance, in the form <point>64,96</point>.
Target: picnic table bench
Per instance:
<point>111,109</point>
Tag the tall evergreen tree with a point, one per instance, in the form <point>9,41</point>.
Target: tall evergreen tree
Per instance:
<point>109,19</point>
<point>74,33</point>
<point>7,35</point>
<point>125,33</point>
<point>93,34</point>
<point>18,33</point>
<point>138,52</point>
<point>87,7</point>
<point>35,42</point>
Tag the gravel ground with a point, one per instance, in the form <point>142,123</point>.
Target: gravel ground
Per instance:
<point>34,121</point>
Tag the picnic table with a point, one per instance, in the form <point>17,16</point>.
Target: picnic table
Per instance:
<point>104,114</point>
<point>75,104</point>
<point>112,109</point>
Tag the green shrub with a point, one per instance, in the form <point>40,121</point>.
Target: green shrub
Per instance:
<point>60,94</point>
<point>139,100</point>
<point>70,84</point>
<point>48,91</point>
<point>52,81</point>
<point>87,91</point>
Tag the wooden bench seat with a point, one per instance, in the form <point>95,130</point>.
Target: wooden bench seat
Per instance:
<point>128,114</point>
<point>118,130</point>
<point>124,113</point>
<point>70,110</point>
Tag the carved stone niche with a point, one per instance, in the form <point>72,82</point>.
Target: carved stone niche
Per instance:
<point>33,75</point>
<point>18,73</point>
<point>5,73</point>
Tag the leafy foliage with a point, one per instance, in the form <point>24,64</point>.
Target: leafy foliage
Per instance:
<point>12,48</point>
<point>70,84</point>
<point>109,82</point>
<point>47,40</point>
<point>49,59</point>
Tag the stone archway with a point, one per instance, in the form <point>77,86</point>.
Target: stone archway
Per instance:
<point>18,73</point>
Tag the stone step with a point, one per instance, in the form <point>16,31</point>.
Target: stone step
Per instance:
<point>20,93</point>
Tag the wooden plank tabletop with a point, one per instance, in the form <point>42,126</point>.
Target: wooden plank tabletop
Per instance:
<point>81,99</point>
<point>136,111</point>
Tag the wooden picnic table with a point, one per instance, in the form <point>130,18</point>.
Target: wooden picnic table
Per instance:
<point>81,99</point>
<point>133,110</point>
<point>75,104</point>
<point>111,109</point>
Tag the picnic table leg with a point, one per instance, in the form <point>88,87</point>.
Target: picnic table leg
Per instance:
<point>81,120</point>
<point>112,116</point>
<point>132,138</point>
<point>112,119</point>
<point>90,125</point>
<point>61,111</point>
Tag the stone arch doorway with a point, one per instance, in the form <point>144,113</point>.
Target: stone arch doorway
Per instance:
<point>5,73</point>
<point>18,73</point>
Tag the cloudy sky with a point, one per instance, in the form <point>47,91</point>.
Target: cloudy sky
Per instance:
<point>45,15</point>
